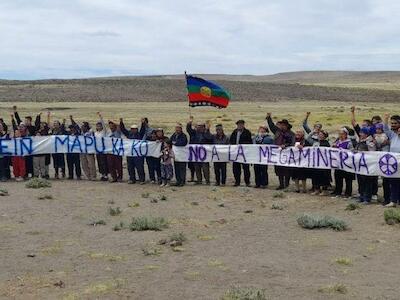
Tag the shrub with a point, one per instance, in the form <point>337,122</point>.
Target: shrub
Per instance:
<point>145,195</point>
<point>238,293</point>
<point>118,227</point>
<point>353,206</point>
<point>163,198</point>
<point>114,211</point>
<point>309,221</point>
<point>148,223</point>
<point>37,183</point>
<point>3,192</point>
<point>277,206</point>
<point>179,237</point>
<point>151,251</point>
<point>392,216</point>
<point>337,288</point>
<point>345,261</point>
<point>45,197</point>
<point>97,222</point>
<point>278,195</point>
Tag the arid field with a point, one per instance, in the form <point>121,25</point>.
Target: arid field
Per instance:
<point>67,241</point>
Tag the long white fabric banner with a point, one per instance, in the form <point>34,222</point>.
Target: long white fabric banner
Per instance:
<point>365,163</point>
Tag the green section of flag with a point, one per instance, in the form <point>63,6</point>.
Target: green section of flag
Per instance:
<point>214,92</point>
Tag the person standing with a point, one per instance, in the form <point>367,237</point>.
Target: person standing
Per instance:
<point>220,167</point>
<point>201,135</point>
<point>4,159</point>
<point>135,163</point>
<point>179,139</point>
<point>101,132</point>
<point>73,159</point>
<point>394,137</point>
<point>321,178</point>
<point>57,128</point>
<point>343,142</point>
<point>167,169</point>
<point>239,136</point>
<point>114,162</point>
<point>261,171</point>
<point>284,137</point>
<point>88,160</point>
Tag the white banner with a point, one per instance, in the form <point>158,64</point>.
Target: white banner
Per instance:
<point>78,144</point>
<point>366,163</point>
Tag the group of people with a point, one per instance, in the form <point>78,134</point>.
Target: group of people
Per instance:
<point>375,134</point>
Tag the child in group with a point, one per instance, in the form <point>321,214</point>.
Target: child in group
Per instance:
<point>321,178</point>
<point>343,142</point>
<point>380,138</point>
<point>167,169</point>
<point>18,162</point>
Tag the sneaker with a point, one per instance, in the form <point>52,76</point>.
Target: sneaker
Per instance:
<point>166,185</point>
<point>19,179</point>
<point>324,193</point>
<point>374,198</point>
<point>152,182</point>
<point>162,184</point>
<point>316,193</point>
<point>131,182</point>
<point>391,204</point>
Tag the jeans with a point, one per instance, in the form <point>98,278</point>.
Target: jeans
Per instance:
<point>365,187</point>
<point>136,164</point>
<point>395,190</point>
<point>237,172</point>
<point>220,172</point>
<point>74,162</point>
<point>180,172</point>
<point>154,166</point>
<point>261,175</point>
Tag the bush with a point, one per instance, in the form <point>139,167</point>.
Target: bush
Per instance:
<point>118,227</point>
<point>238,293</point>
<point>148,223</point>
<point>114,211</point>
<point>392,216</point>
<point>278,195</point>
<point>97,222</point>
<point>178,237</point>
<point>37,183</point>
<point>353,206</point>
<point>3,192</point>
<point>277,206</point>
<point>309,221</point>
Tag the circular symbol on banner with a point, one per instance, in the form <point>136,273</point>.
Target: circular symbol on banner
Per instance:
<point>205,91</point>
<point>388,164</point>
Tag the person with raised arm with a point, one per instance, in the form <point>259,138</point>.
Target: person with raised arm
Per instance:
<point>312,135</point>
<point>101,132</point>
<point>73,159</point>
<point>284,137</point>
<point>57,128</point>
<point>41,162</point>
<point>200,135</point>
<point>134,163</point>
<point>114,162</point>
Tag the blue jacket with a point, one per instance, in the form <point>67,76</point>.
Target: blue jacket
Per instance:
<point>179,140</point>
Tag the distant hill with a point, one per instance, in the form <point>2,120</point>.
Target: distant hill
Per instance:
<point>312,85</point>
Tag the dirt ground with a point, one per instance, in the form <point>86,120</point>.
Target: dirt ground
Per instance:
<point>234,238</point>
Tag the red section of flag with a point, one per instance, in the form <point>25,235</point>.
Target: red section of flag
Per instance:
<point>197,99</point>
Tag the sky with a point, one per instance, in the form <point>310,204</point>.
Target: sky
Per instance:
<point>90,38</point>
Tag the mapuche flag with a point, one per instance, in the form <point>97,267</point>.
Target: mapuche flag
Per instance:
<point>205,93</point>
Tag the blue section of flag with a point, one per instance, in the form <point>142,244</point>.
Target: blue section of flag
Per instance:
<point>192,80</point>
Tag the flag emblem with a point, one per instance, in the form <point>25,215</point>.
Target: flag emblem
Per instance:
<point>205,91</point>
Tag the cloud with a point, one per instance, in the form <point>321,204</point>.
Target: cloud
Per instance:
<point>80,38</point>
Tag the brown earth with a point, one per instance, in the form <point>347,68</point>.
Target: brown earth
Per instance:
<point>244,243</point>
<point>324,86</point>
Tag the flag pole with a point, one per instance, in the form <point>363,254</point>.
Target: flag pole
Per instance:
<point>190,111</point>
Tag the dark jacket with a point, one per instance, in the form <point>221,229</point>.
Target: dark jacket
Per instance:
<point>245,137</point>
<point>197,137</point>
<point>220,140</point>
<point>179,140</point>
<point>130,135</point>
<point>286,138</point>
<point>31,129</point>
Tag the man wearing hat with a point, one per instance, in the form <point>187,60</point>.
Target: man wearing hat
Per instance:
<point>241,135</point>
<point>179,139</point>
<point>134,163</point>
<point>200,135</point>
<point>284,137</point>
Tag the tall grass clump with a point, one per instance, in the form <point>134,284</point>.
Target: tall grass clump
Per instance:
<point>37,183</point>
<point>392,216</point>
<point>310,221</point>
<point>239,293</point>
<point>148,223</point>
